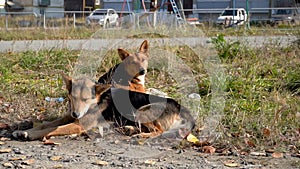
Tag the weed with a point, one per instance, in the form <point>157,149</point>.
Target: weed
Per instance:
<point>293,81</point>
<point>226,50</point>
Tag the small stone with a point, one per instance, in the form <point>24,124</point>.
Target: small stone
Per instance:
<point>258,154</point>
<point>230,163</point>
<point>277,155</point>
<point>100,162</point>
<point>18,151</point>
<point>150,162</point>
<point>8,165</point>
<point>28,162</point>
<point>17,158</point>
<point>55,158</point>
<point>58,166</point>
<point>6,150</point>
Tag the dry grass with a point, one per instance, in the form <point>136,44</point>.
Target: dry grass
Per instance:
<point>64,29</point>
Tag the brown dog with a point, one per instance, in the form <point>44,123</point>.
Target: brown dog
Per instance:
<point>91,105</point>
<point>130,73</point>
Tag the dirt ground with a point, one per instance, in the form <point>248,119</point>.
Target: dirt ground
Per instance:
<point>117,151</point>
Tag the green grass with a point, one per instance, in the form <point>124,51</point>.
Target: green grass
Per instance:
<point>263,92</point>
<point>27,78</point>
<point>261,89</point>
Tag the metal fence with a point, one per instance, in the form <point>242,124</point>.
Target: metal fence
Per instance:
<point>13,20</point>
<point>18,19</point>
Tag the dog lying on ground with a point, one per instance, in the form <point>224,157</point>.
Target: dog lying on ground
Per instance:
<point>130,73</point>
<point>92,105</point>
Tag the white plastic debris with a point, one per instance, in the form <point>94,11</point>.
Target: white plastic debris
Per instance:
<point>59,99</point>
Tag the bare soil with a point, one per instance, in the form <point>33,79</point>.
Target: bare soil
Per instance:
<point>114,150</point>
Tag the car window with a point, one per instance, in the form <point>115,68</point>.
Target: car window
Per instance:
<point>284,11</point>
<point>110,12</point>
<point>229,12</point>
<point>99,12</point>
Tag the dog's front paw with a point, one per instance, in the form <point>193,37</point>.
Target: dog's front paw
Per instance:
<point>23,135</point>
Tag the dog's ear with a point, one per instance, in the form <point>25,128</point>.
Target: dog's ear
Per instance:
<point>101,88</point>
<point>123,54</point>
<point>144,47</point>
<point>68,81</point>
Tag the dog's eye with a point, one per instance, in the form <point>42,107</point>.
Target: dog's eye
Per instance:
<point>84,100</point>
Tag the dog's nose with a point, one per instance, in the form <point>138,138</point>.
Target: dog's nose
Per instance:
<point>142,71</point>
<point>75,115</point>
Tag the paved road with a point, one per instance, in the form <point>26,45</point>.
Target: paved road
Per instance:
<point>19,46</point>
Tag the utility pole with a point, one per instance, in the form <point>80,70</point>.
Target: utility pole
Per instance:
<point>233,6</point>
<point>270,10</point>
<point>83,7</point>
<point>248,17</point>
<point>155,13</point>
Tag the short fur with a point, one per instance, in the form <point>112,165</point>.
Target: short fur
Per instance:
<point>130,73</point>
<point>93,104</point>
<point>153,115</point>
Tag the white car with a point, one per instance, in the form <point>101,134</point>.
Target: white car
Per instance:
<point>104,17</point>
<point>229,16</point>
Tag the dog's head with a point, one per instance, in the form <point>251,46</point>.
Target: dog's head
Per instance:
<point>136,64</point>
<point>82,94</point>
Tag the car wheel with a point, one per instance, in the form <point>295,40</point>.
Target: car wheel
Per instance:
<point>87,22</point>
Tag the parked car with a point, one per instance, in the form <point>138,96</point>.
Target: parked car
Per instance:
<point>103,17</point>
<point>229,16</point>
<point>289,16</point>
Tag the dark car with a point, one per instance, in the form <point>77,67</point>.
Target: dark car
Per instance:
<point>285,16</point>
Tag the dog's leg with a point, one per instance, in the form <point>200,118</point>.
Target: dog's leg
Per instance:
<point>58,122</point>
<point>68,129</point>
<point>43,129</point>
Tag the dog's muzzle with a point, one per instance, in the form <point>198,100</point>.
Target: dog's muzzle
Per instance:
<point>142,71</point>
<point>75,115</point>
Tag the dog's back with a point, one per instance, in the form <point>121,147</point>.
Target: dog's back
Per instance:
<point>108,78</point>
<point>150,113</point>
<point>115,75</point>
